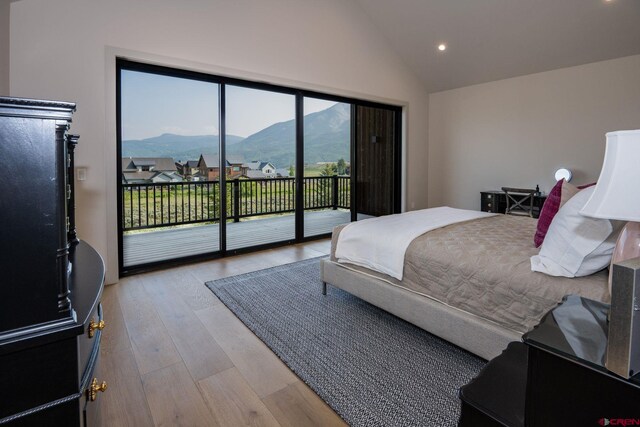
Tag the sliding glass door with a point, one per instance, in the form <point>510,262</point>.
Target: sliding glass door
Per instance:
<point>260,154</point>
<point>169,205</point>
<point>327,165</point>
<point>211,166</point>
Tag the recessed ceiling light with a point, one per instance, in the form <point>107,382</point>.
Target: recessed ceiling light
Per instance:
<point>442,47</point>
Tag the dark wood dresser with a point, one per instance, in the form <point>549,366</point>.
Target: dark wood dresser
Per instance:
<point>51,283</point>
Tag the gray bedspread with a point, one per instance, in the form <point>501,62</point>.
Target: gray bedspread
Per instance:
<point>482,267</point>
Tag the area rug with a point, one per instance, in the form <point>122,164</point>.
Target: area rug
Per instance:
<point>372,368</point>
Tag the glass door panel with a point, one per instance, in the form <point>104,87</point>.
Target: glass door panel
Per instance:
<point>260,157</point>
<point>169,206</point>
<point>327,165</point>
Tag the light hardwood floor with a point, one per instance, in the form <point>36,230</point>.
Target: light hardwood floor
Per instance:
<point>174,355</point>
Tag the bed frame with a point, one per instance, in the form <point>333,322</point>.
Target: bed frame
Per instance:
<point>477,335</point>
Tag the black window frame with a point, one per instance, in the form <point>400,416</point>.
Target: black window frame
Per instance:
<point>223,81</point>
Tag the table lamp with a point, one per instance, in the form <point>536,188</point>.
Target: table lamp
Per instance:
<point>617,196</point>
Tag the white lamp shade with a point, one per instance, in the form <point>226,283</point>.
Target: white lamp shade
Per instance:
<point>617,193</point>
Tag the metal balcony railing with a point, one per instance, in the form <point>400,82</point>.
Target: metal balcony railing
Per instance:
<point>169,204</point>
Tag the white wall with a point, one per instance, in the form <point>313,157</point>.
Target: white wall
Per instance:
<point>4,47</point>
<point>517,132</point>
<point>65,50</point>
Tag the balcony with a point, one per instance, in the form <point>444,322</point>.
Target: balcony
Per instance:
<point>173,220</point>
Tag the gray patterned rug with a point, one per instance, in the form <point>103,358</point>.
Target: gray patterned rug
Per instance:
<point>371,367</point>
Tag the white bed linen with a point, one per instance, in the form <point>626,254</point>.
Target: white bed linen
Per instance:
<point>380,243</point>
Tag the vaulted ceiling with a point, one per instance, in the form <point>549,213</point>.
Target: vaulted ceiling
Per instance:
<point>490,40</point>
<point>495,39</point>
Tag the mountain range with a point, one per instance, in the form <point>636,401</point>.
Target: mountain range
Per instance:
<point>326,138</point>
<point>178,147</point>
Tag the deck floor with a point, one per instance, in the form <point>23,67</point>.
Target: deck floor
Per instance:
<point>162,245</point>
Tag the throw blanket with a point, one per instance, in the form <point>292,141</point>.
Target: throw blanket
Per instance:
<point>381,243</point>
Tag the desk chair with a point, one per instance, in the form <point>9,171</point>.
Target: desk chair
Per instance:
<point>519,201</point>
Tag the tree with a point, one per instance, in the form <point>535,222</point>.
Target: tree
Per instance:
<point>292,170</point>
<point>324,187</point>
<point>329,169</point>
<point>341,167</point>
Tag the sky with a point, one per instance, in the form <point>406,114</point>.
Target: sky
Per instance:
<point>153,105</point>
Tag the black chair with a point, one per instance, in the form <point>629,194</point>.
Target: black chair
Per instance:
<point>519,201</point>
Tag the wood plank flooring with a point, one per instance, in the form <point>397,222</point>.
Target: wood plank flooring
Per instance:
<point>174,355</point>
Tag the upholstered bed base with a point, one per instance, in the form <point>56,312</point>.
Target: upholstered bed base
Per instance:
<point>470,332</point>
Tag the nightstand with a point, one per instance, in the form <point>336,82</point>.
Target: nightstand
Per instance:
<point>496,397</point>
<point>496,201</point>
<point>562,379</point>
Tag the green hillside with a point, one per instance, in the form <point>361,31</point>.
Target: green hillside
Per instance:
<point>326,135</point>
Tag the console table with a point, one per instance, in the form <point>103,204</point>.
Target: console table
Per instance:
<point>555,377</point>
<point>496,201</point>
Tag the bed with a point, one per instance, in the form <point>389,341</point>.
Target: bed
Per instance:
<point>469,283</point>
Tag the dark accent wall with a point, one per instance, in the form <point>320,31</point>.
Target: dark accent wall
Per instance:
<point>375,157</point>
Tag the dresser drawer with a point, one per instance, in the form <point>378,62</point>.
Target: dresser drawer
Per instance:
<point>488,202</point>
<point>492,201</point>
<point>88,339</point>
<point>51,416</point>
<point>91,408</point>
<point>91,382</point>
<point>33,377</point>
<point>488,206</point>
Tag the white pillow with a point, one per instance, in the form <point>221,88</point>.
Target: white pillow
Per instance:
<point>576,245</point>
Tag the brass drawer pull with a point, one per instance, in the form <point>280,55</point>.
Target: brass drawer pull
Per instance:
<point>94,388</point>
<point>93,326</point>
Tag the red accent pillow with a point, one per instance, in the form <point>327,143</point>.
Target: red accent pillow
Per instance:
<point>558,196</point>
<point>582,187</point>
<point>549,210</point>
